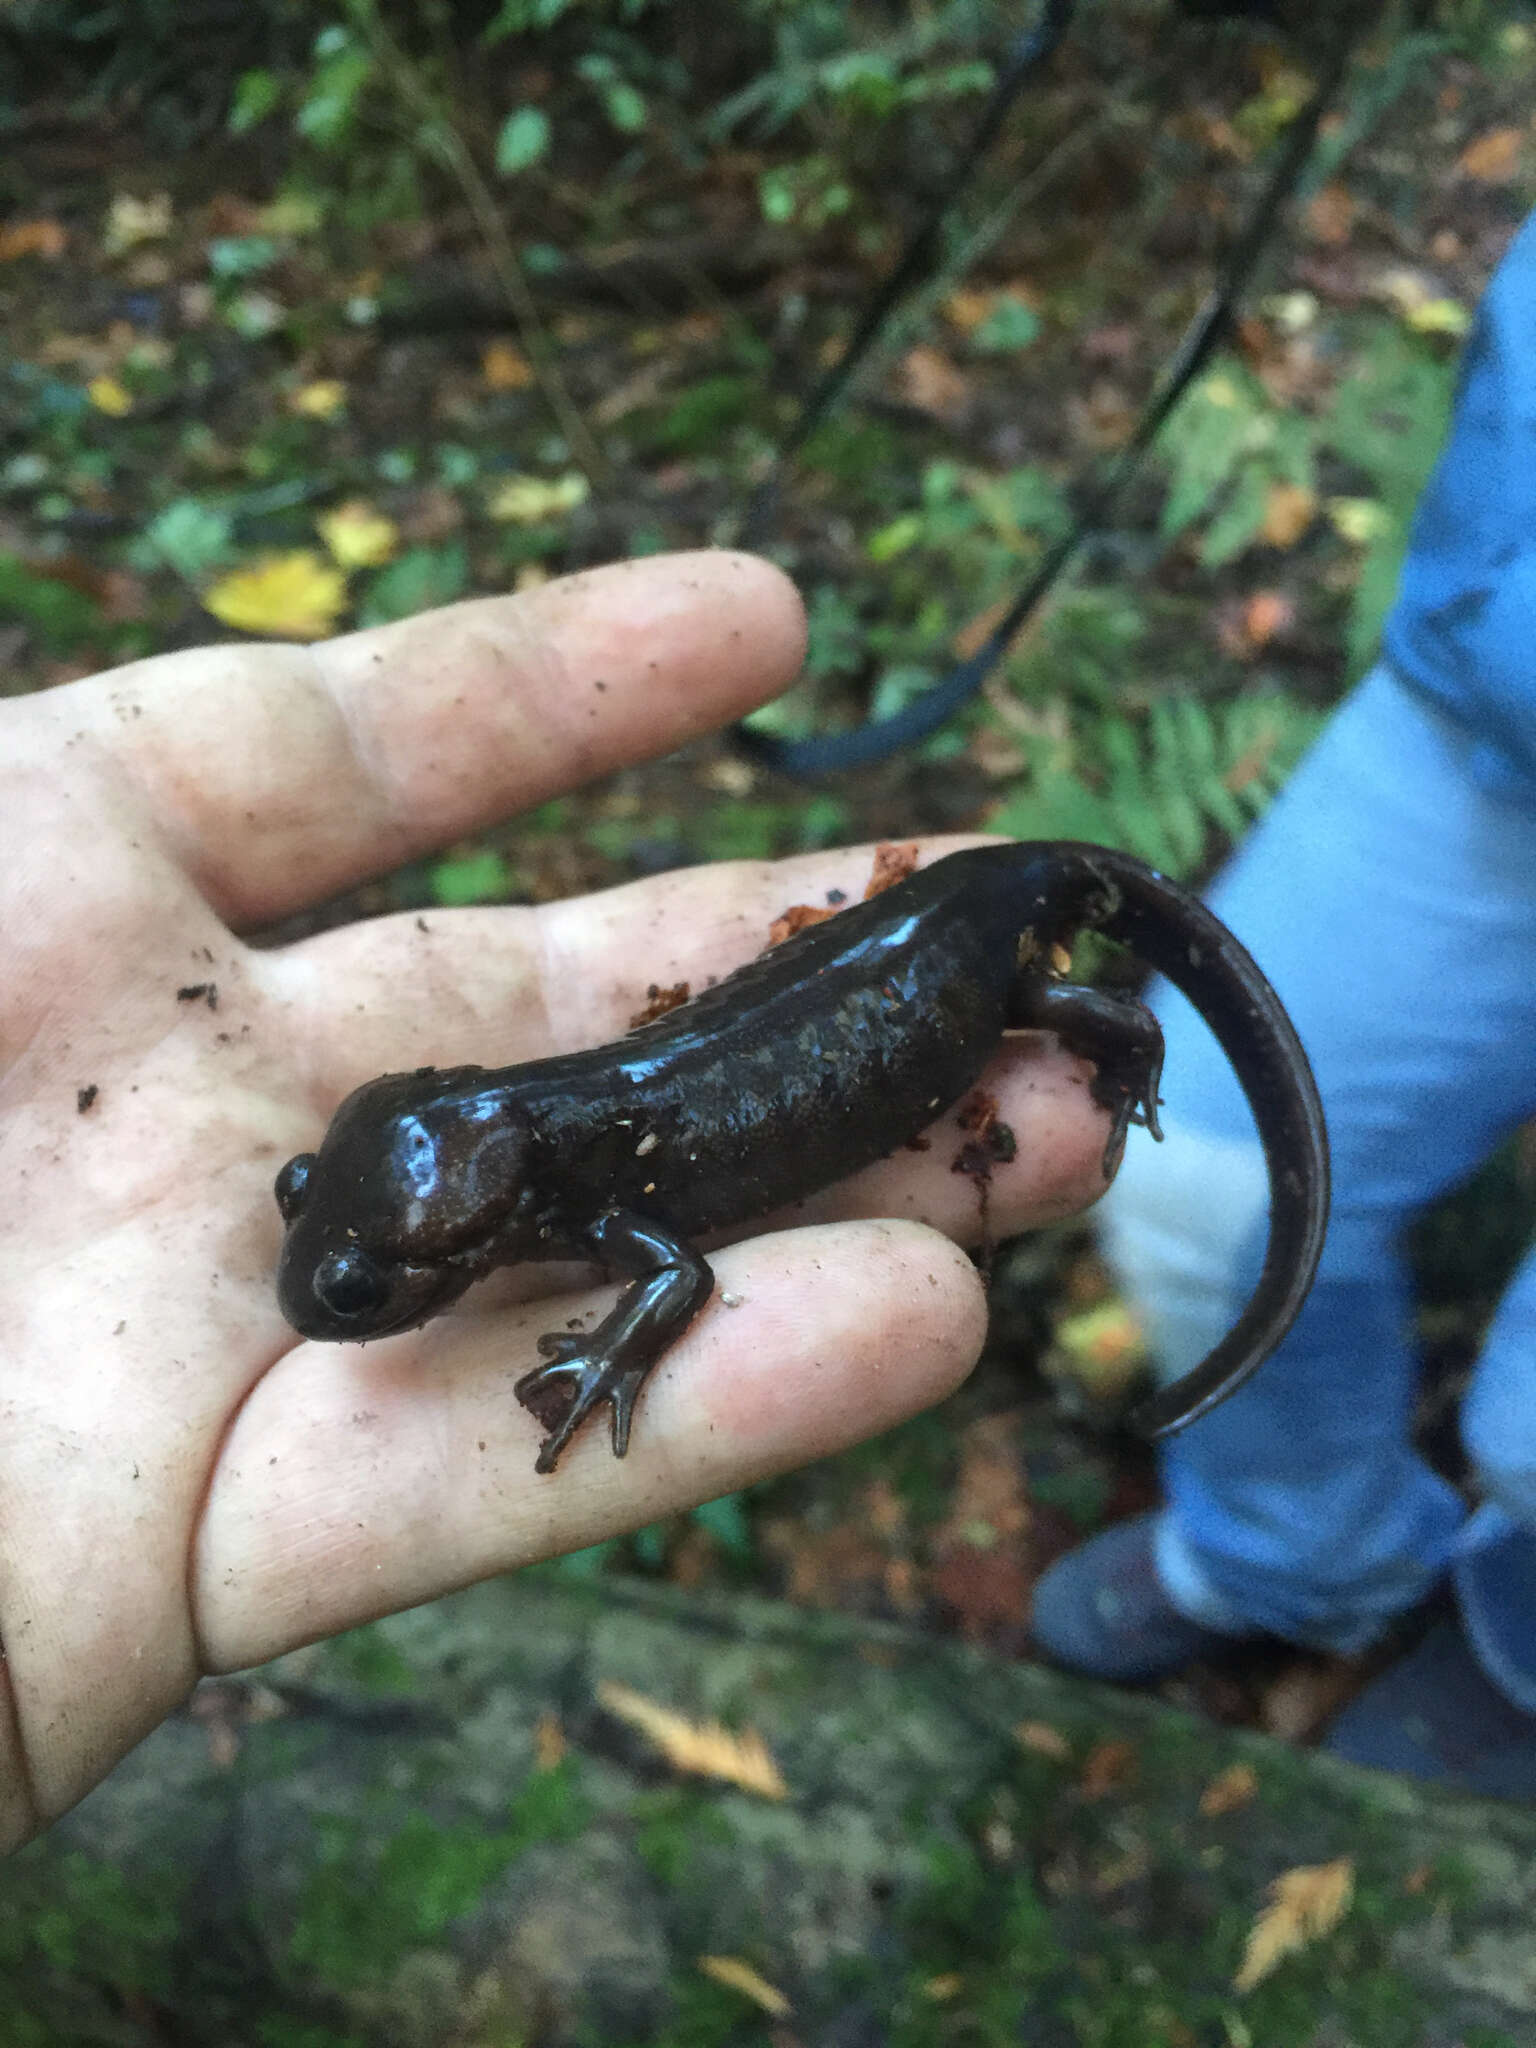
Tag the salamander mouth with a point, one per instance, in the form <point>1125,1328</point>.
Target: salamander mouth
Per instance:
<point>348,1295</point>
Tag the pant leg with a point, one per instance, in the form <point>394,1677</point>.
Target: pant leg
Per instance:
<point>1495,1563</point>
<point>1391,897</point>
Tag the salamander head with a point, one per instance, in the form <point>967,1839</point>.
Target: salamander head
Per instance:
<point>417,1188</point>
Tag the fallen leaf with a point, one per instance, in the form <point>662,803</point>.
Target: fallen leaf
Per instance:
<point>928,380</point>
<point>1041,1739</point>
<point>1306,1695</point>
<point>1304,1905</point>
<point>1247,626</point>
<point>1102,1350</point>
<point>740,1976</point>
<point>548,1742</point>
<point>321,400</point>
<point>1439,316</point>
<point>1494,158</point>
<point>31,238</point>
<point>1229,1791</point>
<point>357,536</point>
<point>109,396</point>
<point>1331,215</point>
<point>1289,510</point>
<point>296,596</point>
<point>530,500</point>
<point>431,516</point>
<point>131,221</point>
<point>504,367</point>
<point>1358,520</point>
<point>1402,288</point>
<point>1130,1867</point>
<point>942,1989</point>
<point>706,1749</point>
<point>1107,1766</point>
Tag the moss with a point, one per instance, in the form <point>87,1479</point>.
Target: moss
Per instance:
<point>365,1904</point>
<point>371,1660</point>
<point>93,1921</point>
<point>672,1827</point>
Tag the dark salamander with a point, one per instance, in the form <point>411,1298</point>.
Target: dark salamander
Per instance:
<point>827,1053</point>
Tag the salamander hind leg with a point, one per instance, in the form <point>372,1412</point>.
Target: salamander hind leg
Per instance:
<point>582,1369</point>
<point>1121,1036</point>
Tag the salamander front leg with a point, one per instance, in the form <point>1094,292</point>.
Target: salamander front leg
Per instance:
<point>670,1284</point>
<point>1121,1036</point>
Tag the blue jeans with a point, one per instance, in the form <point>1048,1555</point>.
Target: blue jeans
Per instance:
<point>1390,895</point>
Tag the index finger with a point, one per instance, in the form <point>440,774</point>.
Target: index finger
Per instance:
<point>280,775</point>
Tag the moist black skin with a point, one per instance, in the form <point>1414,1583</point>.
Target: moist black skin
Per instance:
<point>827,1053</point>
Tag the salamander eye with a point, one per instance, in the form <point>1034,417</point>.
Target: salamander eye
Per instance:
<point>291,1184</point>
<point>349,1284</point>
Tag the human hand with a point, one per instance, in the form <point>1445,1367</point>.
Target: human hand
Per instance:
<point>187,1486</point>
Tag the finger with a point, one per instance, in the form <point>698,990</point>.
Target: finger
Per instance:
<point>499,986</point>
<point>282,774</point>
<point>360,1480</point>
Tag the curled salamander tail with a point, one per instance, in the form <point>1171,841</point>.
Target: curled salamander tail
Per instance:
<point>1174,932</point>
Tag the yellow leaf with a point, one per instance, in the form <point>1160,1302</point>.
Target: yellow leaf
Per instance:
<point>1288,512</point>
<point>966,309</point>
<point>705,1748</point>
<point>941,1989</point>
<point>740,1976</point>
<point>108,396</point>
<point>505,368</point>
<point>548,1742</point>
<point>1304,1904</point>
<point>291,213</point>
<point>1358,520</point>
<point>1043,1740</point>
<point>530,500</point>
<point>357,536</point>
<point>1102,1349</point>
<point>296,596</point>
<point>321,400</point>
<point>131,221</point>
<point>1439,316</point>
<point>1229,1791</point>
<point>1494,158</point>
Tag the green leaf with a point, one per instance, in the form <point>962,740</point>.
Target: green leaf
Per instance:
<point>326,111</point>
<point>890,541</point>
<point>625,107</point>
<point>524,138</point>
<point>56,614</point>
<point>1011,324</point>
<point>478,877</point>
<point>255,96</point>
<point>702,414</point>
<point>1237,524</point>
<point>518,17</point>
<point>233,256</point>
<point>776,197</point>
<point>188,536</point>
<point>420,580</point>
<point>726,1520</point>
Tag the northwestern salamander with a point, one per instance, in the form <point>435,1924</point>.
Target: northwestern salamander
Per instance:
<point>825,1054</point>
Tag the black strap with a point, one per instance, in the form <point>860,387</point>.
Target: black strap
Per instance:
<point>830,753</point>
<point>1028,53</point>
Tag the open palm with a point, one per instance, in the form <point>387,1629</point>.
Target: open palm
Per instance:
<point>187,1487</point>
